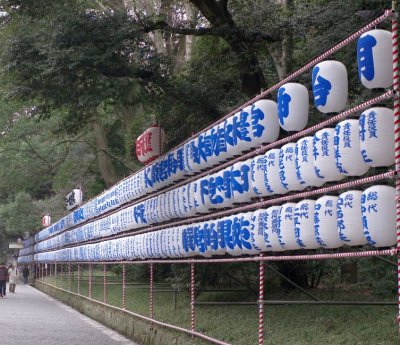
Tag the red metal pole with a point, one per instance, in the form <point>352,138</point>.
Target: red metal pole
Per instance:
<point>151,293</point>
<point>192,298</point>
<point>123,286</point>
<point>396,108</point>
<point>261,304</point>
<point>104,283</point>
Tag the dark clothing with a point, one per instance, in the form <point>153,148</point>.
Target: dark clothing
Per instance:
<point>25,272</point>
<point>3,288</point>
<point>3,273</point>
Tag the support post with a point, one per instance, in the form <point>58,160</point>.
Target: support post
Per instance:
<point>79,279</point>
<point>104,283</point>
<point>69,277</point>
<point>261,303</point>
<point>396,108</point>
<point>192,298</point>
<point>90,280</point>
<point>151,294</point>
<point>55,274</point>
<point>123,286</point>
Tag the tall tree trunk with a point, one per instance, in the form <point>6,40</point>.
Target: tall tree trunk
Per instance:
<point>106,168</point>
<point>281,52</point>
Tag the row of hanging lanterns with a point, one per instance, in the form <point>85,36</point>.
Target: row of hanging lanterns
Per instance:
<point>353,218</point>
<point>349,149</point>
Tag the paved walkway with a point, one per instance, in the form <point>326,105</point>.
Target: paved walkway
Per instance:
<point>30,317</point>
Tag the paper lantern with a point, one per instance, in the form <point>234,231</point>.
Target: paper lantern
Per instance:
<point>258,167</point>
<point>264,122</point>
<point>258,233</point>
<point>325,222</point>
<point>149,144</point>
<point>237,141</point>
<point>287,168</point>
<point>330,86</point>
<point>374,58</point>
<point>293,106</point>
<point>46,220</point>
<point>324,155</point>
<point>304,224</point>
<point>74,199</point>
<point>272,180</point>
<point>220,189</point>
<point>286,226</point>
<point>188,158</point>
<point>349,218</point>
<point>240,182</point>
<point>245,138</point>
<point>377,136</point>
<point>305,171</point>
<point>237,235</point>
<point>347,149</point>
<point>379,215</point>
<point>191,208</point>
<point>201,195</point>
<point>272,229</point>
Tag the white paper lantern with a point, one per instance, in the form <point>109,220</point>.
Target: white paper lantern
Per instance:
<point>349,218</point>
<point>240,182</point>
<point>379,215</point>
<point>201,195</point>
<point>272,180</point>
<point>287,168</point>
<point>286,226</point>
<point>293,106</point>
<point>188,158</point>
<point>347,149</point>
<point>304,224</point>
<point>305,171</point>
<point>272,235</point>
<point>191,208</point>
<point>220,189</point>
<point>324,155</point>
<point>377,136</point>
<point>374,58</point>
<point>330,86</point>
<point>258,233</point>
<point>238,234</point>
<point>264,122</point>
<point>325,222</point>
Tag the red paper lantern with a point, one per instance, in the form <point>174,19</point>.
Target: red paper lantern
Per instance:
<point>149,144</point>
<point>46,220</point>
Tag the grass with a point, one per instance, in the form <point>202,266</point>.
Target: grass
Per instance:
<point>238,325</point>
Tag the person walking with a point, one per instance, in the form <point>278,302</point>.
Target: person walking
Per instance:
<point>3,279</point>
<point>12,277</point>
<point>25,274</point>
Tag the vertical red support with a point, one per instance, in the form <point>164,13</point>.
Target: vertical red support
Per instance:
<point>123,286</point>
<point>90,280</point>
<point>396,108</point>
<point>261,303</point>
<point>192,298</point>
<point>69,277</point>
<point>104,283</point>
<point>151,293</point>
<point>79,279</point>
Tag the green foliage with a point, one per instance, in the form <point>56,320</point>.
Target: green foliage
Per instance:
<point>19,215</point>
<point>78,59</point>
